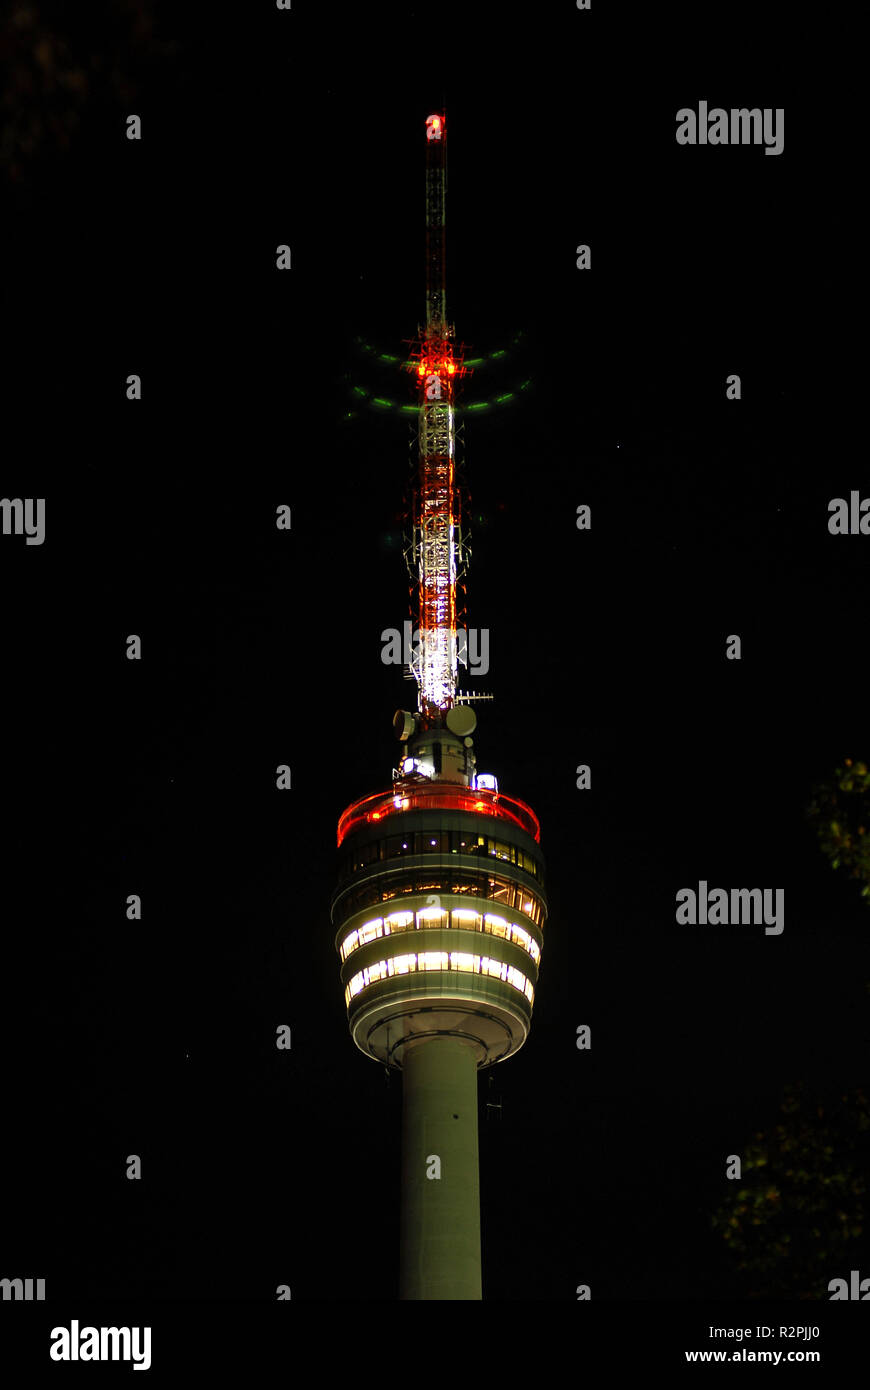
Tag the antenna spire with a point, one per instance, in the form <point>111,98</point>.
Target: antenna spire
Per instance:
<point>437,551</point>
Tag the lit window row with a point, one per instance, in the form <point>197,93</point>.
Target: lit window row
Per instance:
<point>441,842</point>
<point>503,890</point>
<point>465,918</point>
<point>439,960</point>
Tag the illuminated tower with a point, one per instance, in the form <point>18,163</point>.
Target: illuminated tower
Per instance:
<point>440,906</point>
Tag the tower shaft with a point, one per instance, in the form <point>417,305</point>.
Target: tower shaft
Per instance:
<point>440,1211</point>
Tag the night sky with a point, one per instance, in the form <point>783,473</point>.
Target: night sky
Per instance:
<point>260,648</point>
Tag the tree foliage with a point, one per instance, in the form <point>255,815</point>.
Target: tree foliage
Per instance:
<point>840,810</point>
<point>797,1216</point>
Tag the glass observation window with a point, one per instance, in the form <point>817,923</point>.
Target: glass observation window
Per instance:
<point>500,890</point>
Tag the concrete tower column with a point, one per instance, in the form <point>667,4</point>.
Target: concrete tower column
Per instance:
<point>440,1218</point>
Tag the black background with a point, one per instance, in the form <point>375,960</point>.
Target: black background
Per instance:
<point>260,647</point>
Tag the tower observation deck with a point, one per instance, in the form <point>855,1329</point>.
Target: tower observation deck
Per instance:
<point>440,904</point>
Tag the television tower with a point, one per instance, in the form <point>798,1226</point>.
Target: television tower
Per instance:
<point>440,905</point>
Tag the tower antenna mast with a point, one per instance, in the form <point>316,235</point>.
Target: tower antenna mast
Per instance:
<point>437,550</point>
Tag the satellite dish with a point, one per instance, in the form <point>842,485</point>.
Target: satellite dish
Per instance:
<point>461,720</point>
<point>403,725</point>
